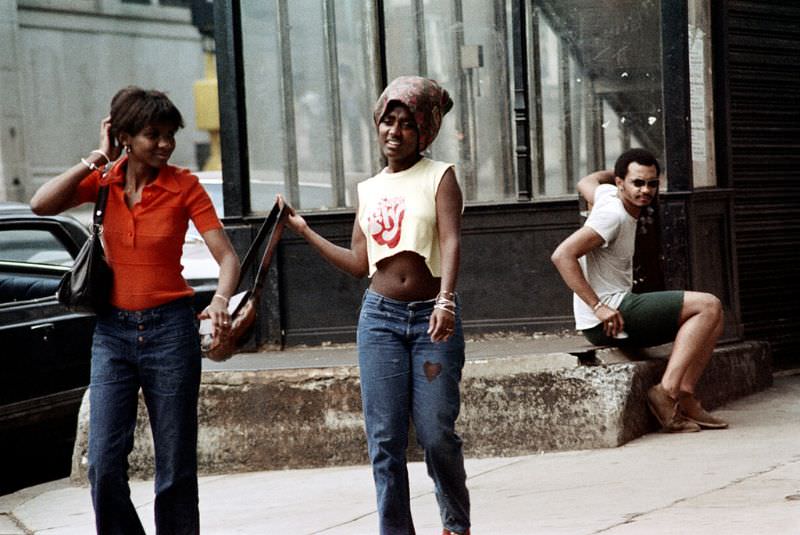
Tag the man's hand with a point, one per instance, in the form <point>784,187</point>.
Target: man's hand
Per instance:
<point>588,184</point>
<point>611,318</point>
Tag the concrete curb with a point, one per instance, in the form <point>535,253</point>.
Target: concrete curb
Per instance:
<point>301,418</point>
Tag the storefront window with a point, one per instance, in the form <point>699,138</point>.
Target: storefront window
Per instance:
<point>464,46</point>
<point>308,101</point>
<point>598,90</point>
<point>594,89</point>
<point>262,66</point>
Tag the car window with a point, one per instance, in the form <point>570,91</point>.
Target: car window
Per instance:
<point>34,246</point>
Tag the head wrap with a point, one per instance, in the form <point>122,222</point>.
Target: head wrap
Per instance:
<point>426,100</point>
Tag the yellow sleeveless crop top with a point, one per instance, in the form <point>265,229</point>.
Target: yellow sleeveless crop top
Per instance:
<point>397,212</point>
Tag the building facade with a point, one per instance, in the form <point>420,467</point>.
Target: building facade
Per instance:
<point>545,91</point>
<point>62,61</point>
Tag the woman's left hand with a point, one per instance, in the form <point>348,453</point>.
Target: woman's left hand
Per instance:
<point>108,145</point>
<point>221,320</point>
<point>441,326</point>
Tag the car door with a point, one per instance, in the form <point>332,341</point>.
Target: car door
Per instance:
<point>45,348</point>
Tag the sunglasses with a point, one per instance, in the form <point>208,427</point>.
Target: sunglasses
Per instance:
<point>639,183</point>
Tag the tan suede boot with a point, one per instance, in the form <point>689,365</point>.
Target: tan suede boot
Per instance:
<point>693,411</point>
<point>667,410</point>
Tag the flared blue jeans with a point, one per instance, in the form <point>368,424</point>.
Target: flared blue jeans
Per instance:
<point>157,350</point>
<point>406,377</point>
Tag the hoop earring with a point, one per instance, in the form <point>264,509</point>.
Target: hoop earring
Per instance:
<point>128,149</point>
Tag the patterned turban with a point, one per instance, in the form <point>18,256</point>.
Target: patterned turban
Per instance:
<point>426,99</point>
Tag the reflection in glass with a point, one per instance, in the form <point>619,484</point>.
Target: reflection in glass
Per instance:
<point>262,67</point>
<point>600,83</point>
<point>311,69</point>
<point>463,45</point>
<point>33,247</point>
<point>309,101</point>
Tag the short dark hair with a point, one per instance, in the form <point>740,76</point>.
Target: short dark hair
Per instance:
<point>640,156</point>
<point>134,108</point>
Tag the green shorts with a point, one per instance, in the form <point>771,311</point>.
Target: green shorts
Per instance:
<point>651,319</point>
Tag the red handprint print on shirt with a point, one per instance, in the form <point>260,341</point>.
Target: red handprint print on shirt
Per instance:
<point>386,220</point>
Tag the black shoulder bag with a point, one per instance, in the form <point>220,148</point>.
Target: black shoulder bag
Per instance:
<point>87,286</point>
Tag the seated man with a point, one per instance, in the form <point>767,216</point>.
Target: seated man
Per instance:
<point>596,262</point>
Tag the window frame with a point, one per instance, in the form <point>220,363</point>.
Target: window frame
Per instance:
<point>152,10</point>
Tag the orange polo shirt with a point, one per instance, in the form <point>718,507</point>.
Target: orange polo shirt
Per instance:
<point>144,245</point>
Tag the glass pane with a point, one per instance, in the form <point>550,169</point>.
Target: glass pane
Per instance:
<point>34,247</point>
<point>357,96</point>
<point>551,111</point>
<point>309,101</point>
<point>464,46</point>
<point>265,132</point>
<point>600,85</point>
<point>578,118</point>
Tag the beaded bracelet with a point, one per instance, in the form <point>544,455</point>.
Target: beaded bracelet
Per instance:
<point>440,306</point>
<point>446,301</point>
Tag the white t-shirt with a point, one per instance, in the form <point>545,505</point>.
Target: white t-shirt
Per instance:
<point>397,212</point>
<point>609,268</point>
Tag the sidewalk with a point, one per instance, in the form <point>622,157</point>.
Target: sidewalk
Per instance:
<point>743,480</point>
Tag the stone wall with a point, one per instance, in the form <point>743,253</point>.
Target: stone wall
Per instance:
<point>276,419</point>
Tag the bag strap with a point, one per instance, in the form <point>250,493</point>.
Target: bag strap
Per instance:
<point>274,225</point>
<point>269,250</point>
<point>99,208</point>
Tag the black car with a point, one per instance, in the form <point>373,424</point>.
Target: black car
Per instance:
<point>44,348</point>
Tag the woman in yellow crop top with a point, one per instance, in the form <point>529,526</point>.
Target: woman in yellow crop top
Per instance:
<point>407,239</point>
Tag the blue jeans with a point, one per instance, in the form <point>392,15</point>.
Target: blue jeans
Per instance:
<point>157,349</point>
<point>406,376</point>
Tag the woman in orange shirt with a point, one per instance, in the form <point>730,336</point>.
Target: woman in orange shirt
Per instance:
<point>407,239</point>
<point>148,338</point>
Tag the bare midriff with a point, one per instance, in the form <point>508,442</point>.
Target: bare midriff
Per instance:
<point>405,277</point>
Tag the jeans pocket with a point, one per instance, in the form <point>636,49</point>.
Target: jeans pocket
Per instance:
<point>374,310</point>
<point>373,315</point>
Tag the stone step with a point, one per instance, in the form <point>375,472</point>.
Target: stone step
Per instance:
<point>254,420</point>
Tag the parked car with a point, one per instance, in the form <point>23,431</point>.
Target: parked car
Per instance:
<point>46,348</point>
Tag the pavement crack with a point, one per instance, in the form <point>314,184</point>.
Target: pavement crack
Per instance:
<point>495,469</point>
<point>415,497</point>
<point>346,522</point>
<point>633,517</point>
